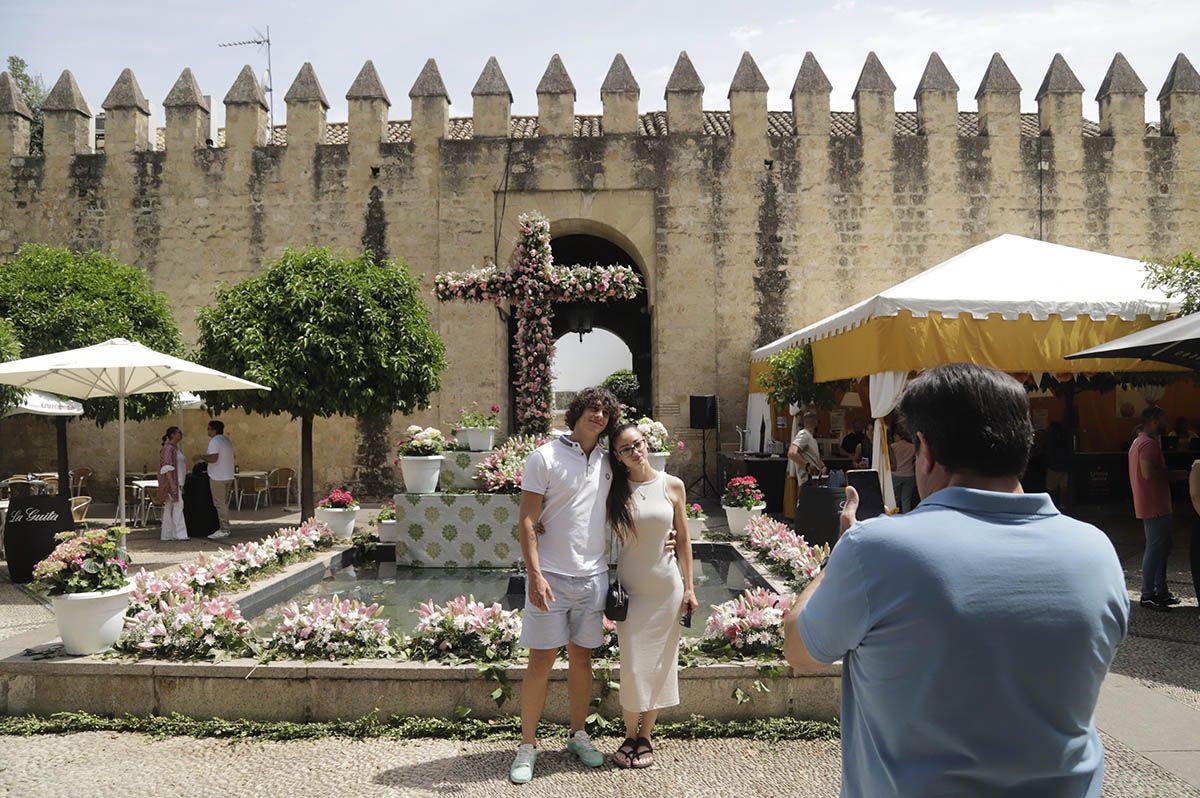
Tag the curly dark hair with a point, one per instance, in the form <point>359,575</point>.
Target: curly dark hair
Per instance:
<point>594,397</point>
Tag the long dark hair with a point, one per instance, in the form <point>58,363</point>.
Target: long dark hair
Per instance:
<point>620,494</point>
<point>170,431</point>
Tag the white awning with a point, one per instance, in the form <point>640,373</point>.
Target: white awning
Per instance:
<point>1009,276</point>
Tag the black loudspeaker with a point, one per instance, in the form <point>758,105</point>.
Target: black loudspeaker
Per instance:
<point>704,412</point>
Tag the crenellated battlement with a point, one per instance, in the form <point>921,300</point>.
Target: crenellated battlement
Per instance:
<point>1119,108</point>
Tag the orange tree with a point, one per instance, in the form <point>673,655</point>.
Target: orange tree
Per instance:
<point>329,336</point>
<point>58,299</point>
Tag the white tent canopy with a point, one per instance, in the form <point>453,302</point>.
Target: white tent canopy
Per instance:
<point>1010,276</point>
<point>1012,303</point>
<point>45,404</point>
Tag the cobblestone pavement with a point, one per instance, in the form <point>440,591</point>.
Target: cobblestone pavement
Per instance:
<point>51,767</point>
<point>1161,653</point>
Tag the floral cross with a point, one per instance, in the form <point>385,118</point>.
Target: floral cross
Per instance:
<point>534,283</point>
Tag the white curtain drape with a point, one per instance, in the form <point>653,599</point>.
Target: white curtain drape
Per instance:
<point>886,387</point>
<point>758,412</point>
<point>793,470</point>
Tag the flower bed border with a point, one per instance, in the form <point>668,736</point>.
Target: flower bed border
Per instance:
<point>293,690</point>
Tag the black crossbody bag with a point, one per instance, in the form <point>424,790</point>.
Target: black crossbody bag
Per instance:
<point>616,602</point>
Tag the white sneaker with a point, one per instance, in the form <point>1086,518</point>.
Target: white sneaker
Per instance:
<point>521,771</point>
<point>218,535</point>
<point>581,746</point>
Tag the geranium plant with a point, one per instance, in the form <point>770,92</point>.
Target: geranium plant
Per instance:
<point>473,418</point>
<point>658,438</point>
<point>464,628</point>
<point>84,563</point>
<point>747,627</point>
<point>695,512</point>
<point>338,499</point>
<point>742,492</point>
<point>418,442</point>
<point>501,471</point>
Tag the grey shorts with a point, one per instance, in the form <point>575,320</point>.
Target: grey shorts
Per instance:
<point>576,614</point>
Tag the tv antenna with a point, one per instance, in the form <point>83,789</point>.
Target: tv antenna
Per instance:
<point>259,40</point>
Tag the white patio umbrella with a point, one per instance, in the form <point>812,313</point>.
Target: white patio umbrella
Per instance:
<point>117,368</point>
<point>46,404</point>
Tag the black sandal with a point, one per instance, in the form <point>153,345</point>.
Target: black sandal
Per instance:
<point>643,757</point>
<point>627,751</point>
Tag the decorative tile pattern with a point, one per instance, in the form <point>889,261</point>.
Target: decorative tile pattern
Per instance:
<point>463,529</point>
<point>458,470</point>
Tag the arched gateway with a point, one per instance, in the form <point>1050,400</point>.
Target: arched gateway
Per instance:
<point>628,319</point>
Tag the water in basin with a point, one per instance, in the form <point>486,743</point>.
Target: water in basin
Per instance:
<point>720,575</point>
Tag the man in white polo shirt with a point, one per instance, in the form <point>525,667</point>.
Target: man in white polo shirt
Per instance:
<point>563,491</point>
<point>220,473</point>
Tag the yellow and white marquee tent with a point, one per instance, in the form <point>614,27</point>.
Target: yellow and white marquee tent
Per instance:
<point>1013,303</point>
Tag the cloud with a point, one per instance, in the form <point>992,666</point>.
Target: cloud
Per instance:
<point>744,33</point>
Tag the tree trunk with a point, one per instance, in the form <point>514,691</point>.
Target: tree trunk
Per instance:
<point>64,468</point>
<point>307,502</point>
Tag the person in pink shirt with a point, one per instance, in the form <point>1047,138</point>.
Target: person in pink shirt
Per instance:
<point>904,475</point>
<point>1149,479</point>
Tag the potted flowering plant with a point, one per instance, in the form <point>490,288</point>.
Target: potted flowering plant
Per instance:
<point>695,519</point>
<point>387,524</point>
<point>741,501</point>
<point>659,442</point>
<point>477,430</point>
<point>338,511</point>
<point>85,577</point>
<point>420,458</point>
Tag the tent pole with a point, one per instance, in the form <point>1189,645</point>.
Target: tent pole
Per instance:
<point>121,453</point>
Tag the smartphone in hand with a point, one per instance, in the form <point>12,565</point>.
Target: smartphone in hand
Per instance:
<point>686,620</point>
<point>870,494</point>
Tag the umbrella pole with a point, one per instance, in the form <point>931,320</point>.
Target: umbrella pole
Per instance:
<point>121,460</point>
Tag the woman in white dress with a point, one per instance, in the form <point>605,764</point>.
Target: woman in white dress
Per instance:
<point>172,466</point>
<point>644,505</point>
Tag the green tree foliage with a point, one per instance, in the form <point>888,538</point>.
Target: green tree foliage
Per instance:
<point>329,336</point>
<point>33,91</point>
<point>624,385</point>
<point>10,349</point>
<point>1177,278</point>
<point>790,380</point>
<point>58,300</point>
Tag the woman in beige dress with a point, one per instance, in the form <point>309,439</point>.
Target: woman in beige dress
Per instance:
<point>644,506</point>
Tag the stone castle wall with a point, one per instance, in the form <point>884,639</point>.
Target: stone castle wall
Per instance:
<point>746,224</point>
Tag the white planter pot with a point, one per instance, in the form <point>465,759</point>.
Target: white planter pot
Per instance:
<point>339,519</point>
<point>739,517</point>
<point>389,531</point>
<point>658,460</point>
<point>695,528</point>
<point>480,439</point>
<point>91,622</point>
<point>421,473</point>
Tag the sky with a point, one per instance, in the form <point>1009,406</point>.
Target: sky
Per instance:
<point>158,39</point>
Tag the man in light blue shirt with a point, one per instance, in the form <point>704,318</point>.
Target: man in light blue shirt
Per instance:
<point>974,631</point>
